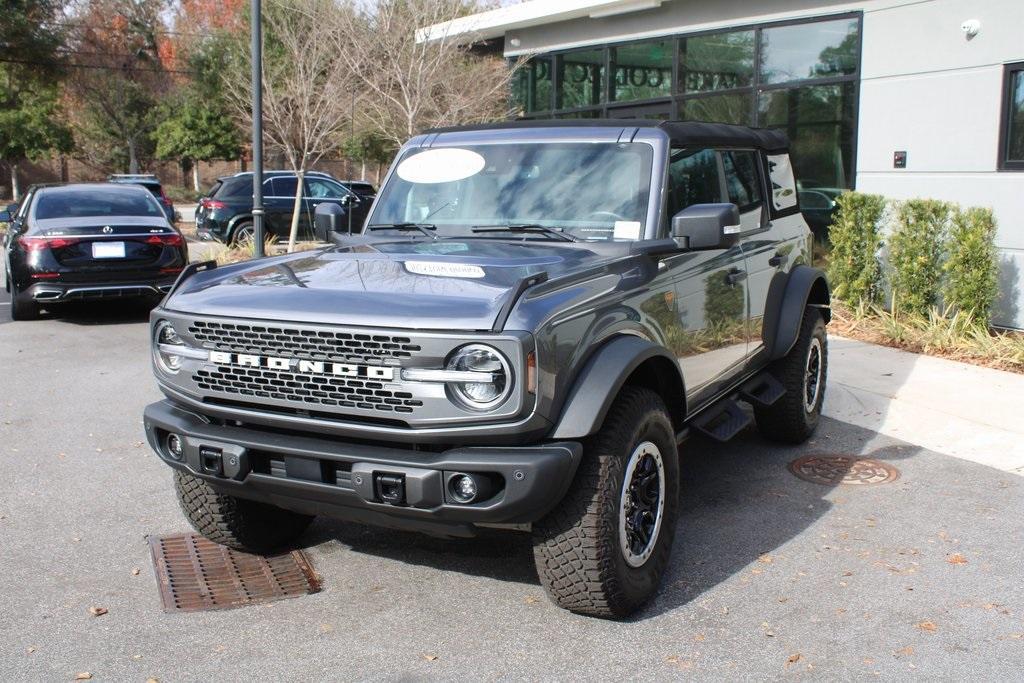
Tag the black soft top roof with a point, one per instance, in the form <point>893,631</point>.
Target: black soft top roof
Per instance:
<point>681,132</point>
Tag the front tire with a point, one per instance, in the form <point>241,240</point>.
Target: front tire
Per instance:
<point>803,372</point>
<point>602,552</point>
<point>236,522</point>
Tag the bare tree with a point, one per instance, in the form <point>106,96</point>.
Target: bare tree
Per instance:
<point>412,79</point>
<point>307,86</point>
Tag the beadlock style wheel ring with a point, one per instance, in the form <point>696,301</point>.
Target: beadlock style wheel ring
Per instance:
<point>812,375</point>
<point>641,504</point>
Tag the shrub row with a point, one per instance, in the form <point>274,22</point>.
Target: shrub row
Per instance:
<point>937,253</point>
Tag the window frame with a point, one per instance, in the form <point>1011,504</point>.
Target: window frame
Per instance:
<point>1004,163</point>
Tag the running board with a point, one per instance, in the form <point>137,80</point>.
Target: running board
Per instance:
<point>762,391</point>
<point>723,421</point>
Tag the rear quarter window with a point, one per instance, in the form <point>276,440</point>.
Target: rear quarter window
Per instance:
<point>234,188</point>
<point>780,172</point>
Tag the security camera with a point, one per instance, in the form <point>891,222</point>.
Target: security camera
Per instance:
<point>971,27</point>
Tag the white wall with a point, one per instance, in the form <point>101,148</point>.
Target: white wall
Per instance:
<point>929,91</point>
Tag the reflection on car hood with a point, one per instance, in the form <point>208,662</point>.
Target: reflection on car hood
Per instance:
<point>435,285</point>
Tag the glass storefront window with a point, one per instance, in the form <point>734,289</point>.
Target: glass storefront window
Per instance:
<point>736,108</point>
<point>581,79</point>
<point>819,121</point>
<point>642,71</point>
<point>531,90</point>
<point>821,49</point>
<point>720,61</point>
<point>1013,128</point>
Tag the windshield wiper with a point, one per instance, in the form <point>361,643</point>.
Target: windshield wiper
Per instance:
<point>425,228</point>
<point>527,228</point>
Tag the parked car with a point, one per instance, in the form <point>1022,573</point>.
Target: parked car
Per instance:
<point>225,214</point>
<point>535,315</point>
<point>69,243</point>
<point>151,183</point>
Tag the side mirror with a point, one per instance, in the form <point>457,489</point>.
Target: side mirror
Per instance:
<point>707,226</point>
<point>327,220</point>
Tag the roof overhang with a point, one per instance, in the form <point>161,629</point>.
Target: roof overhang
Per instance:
<point>497,22</point>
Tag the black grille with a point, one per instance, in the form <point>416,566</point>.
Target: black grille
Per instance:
<point>292,342</point>
<point>314,390</point>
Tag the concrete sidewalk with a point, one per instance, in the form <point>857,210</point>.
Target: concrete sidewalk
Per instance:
<point>966,411</point>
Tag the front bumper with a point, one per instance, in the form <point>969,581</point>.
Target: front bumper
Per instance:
<point>321,476</point>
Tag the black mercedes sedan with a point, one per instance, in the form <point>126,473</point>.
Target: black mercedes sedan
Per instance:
<point>68,243</point>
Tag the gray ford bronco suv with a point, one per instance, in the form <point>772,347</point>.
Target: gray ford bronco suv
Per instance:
<point>533,318</point>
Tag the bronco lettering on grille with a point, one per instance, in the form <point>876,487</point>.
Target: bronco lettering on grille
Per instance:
<point>306,366</point>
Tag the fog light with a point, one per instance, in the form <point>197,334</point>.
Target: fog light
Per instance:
<point>463,488</point>
<point>175,446</point>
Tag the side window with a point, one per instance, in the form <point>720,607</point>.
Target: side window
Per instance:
<point>323,189</point>
<point>285,186</point>
<point>743,183</point>
<point>780,171</point>
<point>692,179</point>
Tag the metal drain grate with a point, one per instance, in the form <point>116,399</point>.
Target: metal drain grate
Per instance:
<point>195,574</point>
<point>831,470</point>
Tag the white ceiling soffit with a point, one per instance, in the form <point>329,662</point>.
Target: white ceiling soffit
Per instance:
<point>497,22</point>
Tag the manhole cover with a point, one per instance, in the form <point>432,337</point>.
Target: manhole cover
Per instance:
<point>842,469</point>
<point>196,574</point>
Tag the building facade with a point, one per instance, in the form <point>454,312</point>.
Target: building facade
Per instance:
<point>904,98</point>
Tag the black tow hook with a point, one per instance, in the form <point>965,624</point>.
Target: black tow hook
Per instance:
<point>390,488</point>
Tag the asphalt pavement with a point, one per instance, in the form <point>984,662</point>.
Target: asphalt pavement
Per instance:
<point>772,577</point>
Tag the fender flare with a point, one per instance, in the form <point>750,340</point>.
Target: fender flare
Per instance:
<point>805,286</point>
<point>601,379</point>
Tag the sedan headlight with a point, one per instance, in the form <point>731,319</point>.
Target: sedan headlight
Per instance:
<point>167,356</point>
<point>494,375</point>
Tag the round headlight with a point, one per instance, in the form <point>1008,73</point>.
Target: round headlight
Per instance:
<point>485,394</point>
<point>167,336</point>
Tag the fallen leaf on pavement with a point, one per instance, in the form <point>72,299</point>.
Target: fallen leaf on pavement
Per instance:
<point>152,680</point>
<point>793,659</point>
<point>430,658</point>
<point>29,650</point>
<point>906,651</point>
<point>83,676</point>
<point>135,571</point>
<point>530,599</point>
<point>766,558</point>
<point>956,558</point>
<point>927,626</point>
<point>97,611</point>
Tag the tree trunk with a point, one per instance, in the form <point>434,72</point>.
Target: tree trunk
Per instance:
<point>133,159</point>
<point>296,211</point>
<point>15,187</point>
<point>362,169</point>
<point>195,176</point>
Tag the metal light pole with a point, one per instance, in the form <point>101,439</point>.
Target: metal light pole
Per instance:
<point>257,128</point>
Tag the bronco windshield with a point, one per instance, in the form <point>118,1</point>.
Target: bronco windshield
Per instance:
<point>588,190</point>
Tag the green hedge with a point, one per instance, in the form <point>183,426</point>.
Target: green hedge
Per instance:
<point>937,252</point>
<point>853,267</point>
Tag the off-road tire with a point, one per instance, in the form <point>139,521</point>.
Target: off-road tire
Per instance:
<point>576,547</point>
<point>236,522</point>
<point>22,307</point>
<point>788,420</point>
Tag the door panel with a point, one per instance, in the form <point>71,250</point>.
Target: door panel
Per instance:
<point>710,303</point>
<point>321,190</point>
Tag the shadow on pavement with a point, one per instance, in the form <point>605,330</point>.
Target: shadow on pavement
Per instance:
<point>738,502</point>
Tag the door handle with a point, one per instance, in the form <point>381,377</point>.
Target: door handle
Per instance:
<point>735,276</point>
<point>775,261</point>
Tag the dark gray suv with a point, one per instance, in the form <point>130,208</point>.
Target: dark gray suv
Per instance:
<point>535,316</point>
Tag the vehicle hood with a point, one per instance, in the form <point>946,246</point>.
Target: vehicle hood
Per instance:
<point>432,285</point>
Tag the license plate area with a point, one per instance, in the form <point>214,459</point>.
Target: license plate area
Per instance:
<point>108,249</point>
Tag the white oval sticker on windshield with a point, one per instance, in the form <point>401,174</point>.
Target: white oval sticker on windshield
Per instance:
<point>439,269</point>
<point>443,165</point>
